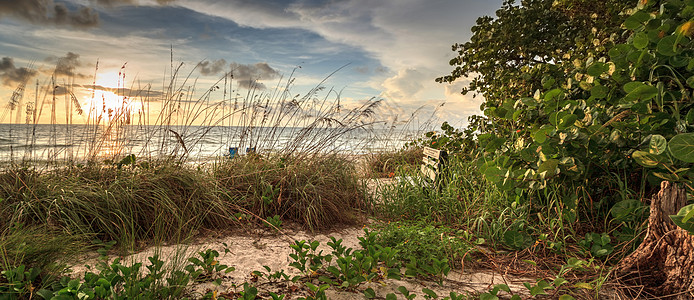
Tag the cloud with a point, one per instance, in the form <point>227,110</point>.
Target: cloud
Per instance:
<point>248,75</point>
<point>66,65</point>
<point>212,67</point>
<point>410,39</point>
<point>112,3</point>
<point>11,75</point>
<point>404,86</point>
<point>48,12</point>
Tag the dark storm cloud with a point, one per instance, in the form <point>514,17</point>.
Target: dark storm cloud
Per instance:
<point>248,75</point>
<point>49,12</point>
<point>212,67</point>
<point>11,75</point>
<point>66,65</point>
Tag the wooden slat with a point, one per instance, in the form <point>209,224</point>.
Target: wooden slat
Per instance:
<point>428,172</point>
<point>431,152</point>
<point>429,161</point>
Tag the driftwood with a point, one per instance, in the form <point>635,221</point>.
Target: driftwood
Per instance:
<point>664,262</point>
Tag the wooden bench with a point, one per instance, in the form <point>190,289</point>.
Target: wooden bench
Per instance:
<point>434,164</point>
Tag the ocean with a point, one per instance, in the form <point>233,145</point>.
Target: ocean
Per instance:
<point>46,142</point>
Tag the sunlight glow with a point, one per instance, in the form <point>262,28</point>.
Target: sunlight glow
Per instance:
<point>110,79</point>
<point>108,106</point>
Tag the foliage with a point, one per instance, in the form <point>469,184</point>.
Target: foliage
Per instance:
<point>115,280</point>
<point>453,140</point>
<point>615,104</point>
<point>424,243</point>
<point>508,65</point>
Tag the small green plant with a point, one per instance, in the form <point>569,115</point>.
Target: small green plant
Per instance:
<point>274,222</point>
<point>20,283</point>
<point>425,243</point>
<point>207,266</point>
<point>249,292</point>
<point>599,245</point>
<point>493,294</point>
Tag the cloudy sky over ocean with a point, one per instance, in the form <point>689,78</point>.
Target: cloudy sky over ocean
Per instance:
<point>390,49</point>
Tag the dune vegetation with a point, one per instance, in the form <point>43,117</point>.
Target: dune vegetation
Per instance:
<point>577,175</point>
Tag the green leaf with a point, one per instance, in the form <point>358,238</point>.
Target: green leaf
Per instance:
<point>537,290</point>
<point>369,293</point>
<point>688,212</point>
<point>391,296</point>
<point>596,69</point>
<point>517,240</point>
<point>549,166</point>
<point>566,297</point>
<point>657,145</point>
<point>643,92</point>
<point>636,20</point>
<point>503,287</point>
<point>559,281</point>
<point>641,40</point>
<point>566,121</point>
<point>630,86</point>
<point>430,293</point>
<point>625,208</point>
<point>690,81</point>
<point>682,147</point>
<point>540,136</point>
<point>488,296</point>
<point>666,46</point>
<point>666,176</point>
<point>552,94</point>
<point>645,159</point>
<point>494,174</point>
<point>584,285</point>
<point>599,92</point>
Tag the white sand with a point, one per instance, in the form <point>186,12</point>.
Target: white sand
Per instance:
<point>248,253</point>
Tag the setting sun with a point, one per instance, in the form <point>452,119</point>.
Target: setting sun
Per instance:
<point>110,79</point>
<point>109,99</point>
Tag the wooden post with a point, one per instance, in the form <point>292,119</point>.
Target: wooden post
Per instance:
<point>664,262</point>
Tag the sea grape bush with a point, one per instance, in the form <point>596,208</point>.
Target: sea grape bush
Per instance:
<point>622,102</point>
<point>606,109</point>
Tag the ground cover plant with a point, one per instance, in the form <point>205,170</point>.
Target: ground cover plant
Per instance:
<point>52,208</point>
<point>585,117</point>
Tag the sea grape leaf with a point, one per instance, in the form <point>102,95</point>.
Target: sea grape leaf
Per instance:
<point>679,219</point>
<point>549,168</point>
<point>567,120</point>
<point>682,147</point>
<point>596,69</point>
<point>657,145</point>
<point>599,92</point>
<point>645,159</point>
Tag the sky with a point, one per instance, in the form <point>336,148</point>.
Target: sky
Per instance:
<point>381,49</point>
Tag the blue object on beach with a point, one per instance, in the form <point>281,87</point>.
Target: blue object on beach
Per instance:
<point>233,151</point>
<point>250,150</point>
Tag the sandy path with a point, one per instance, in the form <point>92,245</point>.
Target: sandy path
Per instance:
<point>250,253</point>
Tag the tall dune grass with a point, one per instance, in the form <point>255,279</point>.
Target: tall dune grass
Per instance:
<point>87,186</point>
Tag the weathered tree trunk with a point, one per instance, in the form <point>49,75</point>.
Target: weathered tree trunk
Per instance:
<point>664,262</point>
